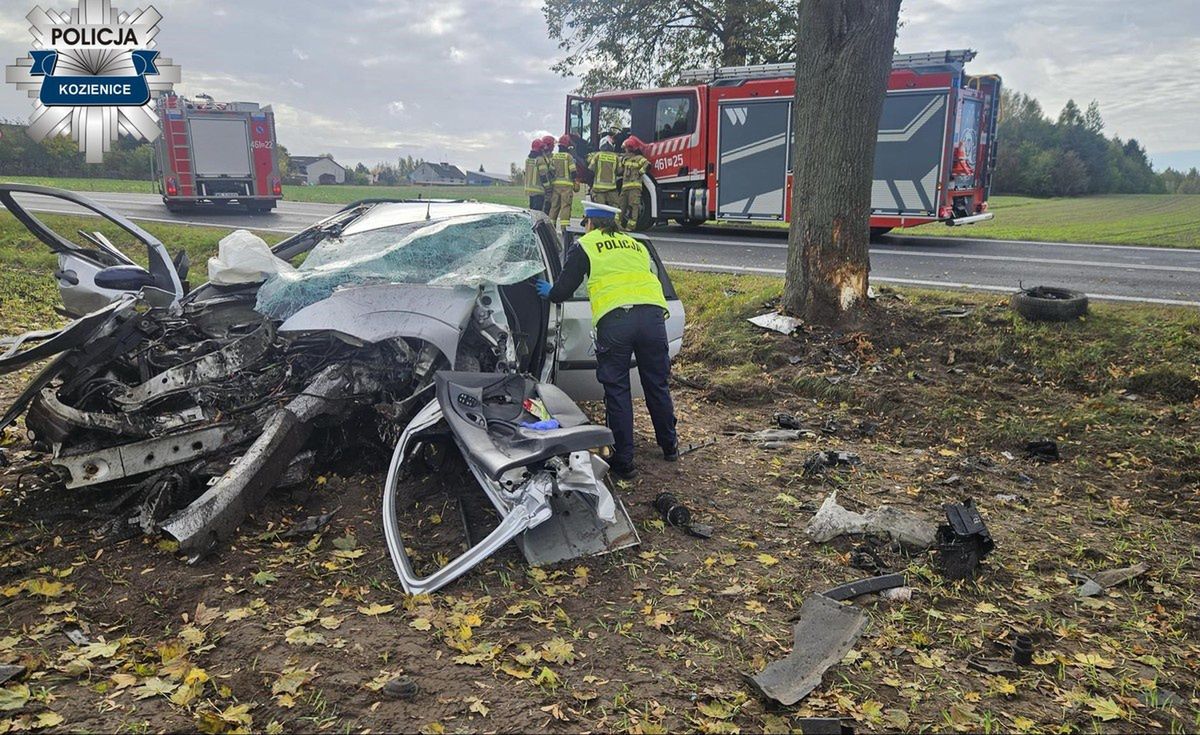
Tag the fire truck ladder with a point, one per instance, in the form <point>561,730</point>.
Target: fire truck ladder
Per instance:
<point>954,58</point>
<point>180,155</point>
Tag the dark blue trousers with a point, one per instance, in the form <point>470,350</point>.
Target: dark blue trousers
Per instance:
<point>622,334</point>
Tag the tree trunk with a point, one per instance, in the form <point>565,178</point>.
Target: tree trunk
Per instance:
<point>844,57</point>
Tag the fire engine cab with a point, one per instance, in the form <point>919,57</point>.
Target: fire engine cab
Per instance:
<point>720,144</point>
<point>216,153</point>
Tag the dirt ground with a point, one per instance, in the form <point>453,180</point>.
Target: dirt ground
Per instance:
<point>303,633</point>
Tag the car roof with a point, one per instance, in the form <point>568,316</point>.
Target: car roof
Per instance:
<point>390,214</point>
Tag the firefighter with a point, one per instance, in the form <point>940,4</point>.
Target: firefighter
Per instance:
<point>604,164</point>
<point>536,173</point>
<point>562,182</point>
<point>633,165</point>
<point>629,312</point>
<point>547,189</point>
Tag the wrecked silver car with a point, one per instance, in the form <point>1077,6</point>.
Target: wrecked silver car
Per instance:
<point>398,319</point>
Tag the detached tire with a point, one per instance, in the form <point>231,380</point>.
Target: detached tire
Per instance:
<point>1049,304</point>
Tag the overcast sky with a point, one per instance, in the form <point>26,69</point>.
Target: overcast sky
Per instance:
<point>470,82</point>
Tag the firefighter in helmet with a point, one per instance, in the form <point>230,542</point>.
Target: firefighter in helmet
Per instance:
<point>633,166</point>
<point>604,164</point>
<point>629,311</point>
<point>562,182</point>
<point>537,172</point>
<point>547,188</point>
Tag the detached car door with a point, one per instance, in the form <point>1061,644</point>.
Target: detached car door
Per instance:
<point>92,272</point>
<point>575,354</point>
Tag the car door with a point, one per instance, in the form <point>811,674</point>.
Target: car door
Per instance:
<point>575,353</point>
<point>88,256</point>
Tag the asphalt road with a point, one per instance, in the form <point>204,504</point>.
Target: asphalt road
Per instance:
<point>1113,272</point>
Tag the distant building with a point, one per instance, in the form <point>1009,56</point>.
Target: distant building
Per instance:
<point>486,178</point>
<point>318,170</point>
<point>438,174</point>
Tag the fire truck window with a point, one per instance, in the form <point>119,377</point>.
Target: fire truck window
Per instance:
<point>581,119</point>
<point>673,116</point>
<point>615,120</point>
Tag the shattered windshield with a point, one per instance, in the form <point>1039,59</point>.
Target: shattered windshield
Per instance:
<point>459,251</point>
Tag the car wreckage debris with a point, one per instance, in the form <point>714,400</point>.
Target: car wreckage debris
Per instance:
<point>1096,582</point>
<point>963,541</point>
<point>1042,450</point>
<point>1022,650</point>
<point>825,631</point>
<point>867,586</point>
<point>679,515</point>
<point>818,462</point>
<point>832,520</point>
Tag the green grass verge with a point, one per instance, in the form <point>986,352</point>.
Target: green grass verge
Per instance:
<point>1163,220</point>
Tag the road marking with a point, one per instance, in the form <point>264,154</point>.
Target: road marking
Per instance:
<point>921,282</point>
<point>1045,261</point>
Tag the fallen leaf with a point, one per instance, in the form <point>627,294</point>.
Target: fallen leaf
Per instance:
<point>558,651</point>
<point>14,697</point>
<point>375,609</point>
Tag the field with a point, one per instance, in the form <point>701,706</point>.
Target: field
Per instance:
<point>937,393</point>
<point>1168,220</point>
<point>1118,219</point>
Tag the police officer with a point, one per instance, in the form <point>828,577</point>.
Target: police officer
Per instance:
<point>629,314</point>
<point>547,151</point>
<point>633,165</point>
<point>537,171</point>
<point>562,182</point>
<point>603,165</point>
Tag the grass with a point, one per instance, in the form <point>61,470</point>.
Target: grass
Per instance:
<point>1162,220</point>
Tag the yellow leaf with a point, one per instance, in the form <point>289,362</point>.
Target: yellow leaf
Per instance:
<point>349,553</point>
<point>375,609</point>
<point>766,560</point>
<point>14,697</point>
<point>186,694</point>
<point>301,636</point>
<point>45,588</point>
<point>290,681</point>
<point>660,620</point>
<point>1105,709</point>
<point>192,636</point>
<point>237,614</point>
<point>153,687</point>
<point>420,623</point>
<point>872,711</point>
<point>547,678</point>
<point>517,672</point>
<point>1094,659</point>
<point>331,622</point>
<point>47,719</point>
<point>558,651</point>
<point>717,710</point>
<point>478,706</point>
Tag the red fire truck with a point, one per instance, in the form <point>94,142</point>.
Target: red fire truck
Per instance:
<point>216,153</point>
<point>720,143</point>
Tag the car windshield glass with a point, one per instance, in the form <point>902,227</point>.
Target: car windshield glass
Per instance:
<point>459,251</point>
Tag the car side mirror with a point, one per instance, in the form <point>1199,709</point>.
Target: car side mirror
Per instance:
<point>123,277</point>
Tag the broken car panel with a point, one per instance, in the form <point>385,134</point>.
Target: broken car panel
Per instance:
<point>194,404</point>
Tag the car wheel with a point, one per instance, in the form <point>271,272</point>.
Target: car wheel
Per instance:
<point>877,232</point>
<point>1050,304</point>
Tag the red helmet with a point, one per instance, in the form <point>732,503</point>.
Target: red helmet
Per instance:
<point>565,140</point>
<point>633,143</point>
<point>547,141</point>
<point>536,145</point>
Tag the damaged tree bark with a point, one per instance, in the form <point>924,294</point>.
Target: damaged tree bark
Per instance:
<point>842,66</point>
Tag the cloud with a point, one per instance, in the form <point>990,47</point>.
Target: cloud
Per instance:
<point>395,107</point>
<point>299,54</point>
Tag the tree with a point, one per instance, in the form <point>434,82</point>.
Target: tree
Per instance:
<point>841,79</point>
<point>637,43</point>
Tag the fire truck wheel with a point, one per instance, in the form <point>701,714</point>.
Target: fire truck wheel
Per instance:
<point>877,232</point>
<point>1049,304</point>
<point>173,207</point>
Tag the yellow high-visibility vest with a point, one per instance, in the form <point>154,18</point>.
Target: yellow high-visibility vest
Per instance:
<point>562,169</point>
<point>534,169</point>
<point>604,165</point>
<point>621,273</point>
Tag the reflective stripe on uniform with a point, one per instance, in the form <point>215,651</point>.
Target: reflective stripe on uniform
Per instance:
<point>621,273</point>
<point>533,175</point>
<point>632,168</point>
<point>604,165</point>
<point>562,169</point>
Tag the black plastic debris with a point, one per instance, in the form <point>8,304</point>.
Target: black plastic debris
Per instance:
<point>787,421</point>
<point>402,687</point>
<point>963,541</point>
<point>1022,650</point>
<point>679,515</point>
<point>1042,450</point>
<point>818,462</point>
<point>824,726</point>
<point>672,511</point>
<point>9,671</point>
<point>867,586</point>
<point>867,559</point>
